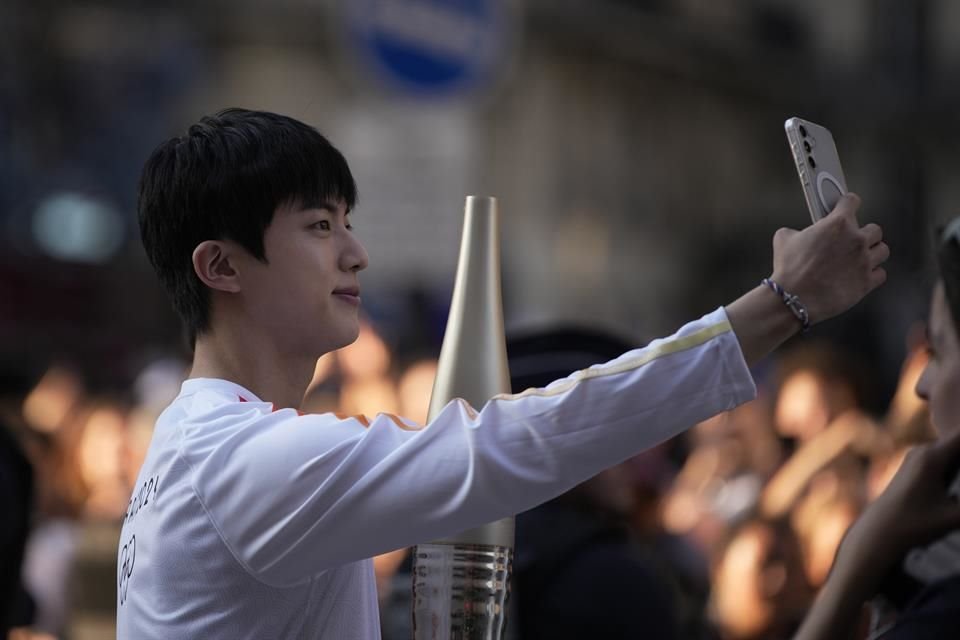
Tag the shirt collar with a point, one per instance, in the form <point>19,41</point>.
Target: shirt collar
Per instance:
<point>193,385</point>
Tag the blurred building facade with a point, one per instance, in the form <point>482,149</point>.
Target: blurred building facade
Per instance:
<point>636,147</point>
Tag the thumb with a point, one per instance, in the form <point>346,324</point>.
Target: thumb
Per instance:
<point>847,206</point>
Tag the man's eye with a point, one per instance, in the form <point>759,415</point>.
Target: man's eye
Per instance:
<point>323,225</point>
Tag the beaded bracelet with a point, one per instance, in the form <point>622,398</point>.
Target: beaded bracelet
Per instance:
<point>793,303</point>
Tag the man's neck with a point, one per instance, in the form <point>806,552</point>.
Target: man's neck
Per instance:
<point>256,364</point>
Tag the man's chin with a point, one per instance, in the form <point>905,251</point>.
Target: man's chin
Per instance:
<point>343,339</point>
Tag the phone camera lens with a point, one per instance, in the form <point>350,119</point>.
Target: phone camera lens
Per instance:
<point>807,147</point>
<point>803,131</point>
<point>813,163</point>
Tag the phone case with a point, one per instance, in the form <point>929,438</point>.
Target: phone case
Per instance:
<point>818,165</point>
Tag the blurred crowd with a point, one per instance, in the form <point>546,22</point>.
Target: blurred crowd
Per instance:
<point>725,532</point>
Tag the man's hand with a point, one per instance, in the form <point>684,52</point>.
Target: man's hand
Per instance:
<point>829,266</point>
<point>832,264</point>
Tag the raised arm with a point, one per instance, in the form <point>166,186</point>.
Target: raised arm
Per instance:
<point>346,490</point>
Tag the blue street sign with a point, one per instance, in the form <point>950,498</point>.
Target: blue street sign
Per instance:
<point>429,47</point>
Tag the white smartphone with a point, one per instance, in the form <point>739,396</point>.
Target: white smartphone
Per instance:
<point>818,164</point>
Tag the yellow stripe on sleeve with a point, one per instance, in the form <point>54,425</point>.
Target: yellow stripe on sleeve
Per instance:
<point>668,347</point>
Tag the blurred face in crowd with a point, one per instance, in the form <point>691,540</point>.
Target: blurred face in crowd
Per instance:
<point>307,293</point>
<point>808,403</point>
<point>940,382</point>
<point>759,583</point>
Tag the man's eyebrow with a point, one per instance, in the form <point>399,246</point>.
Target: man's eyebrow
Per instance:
<point>325,205</point>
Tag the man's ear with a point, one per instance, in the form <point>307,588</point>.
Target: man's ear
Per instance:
<point>212,264</point>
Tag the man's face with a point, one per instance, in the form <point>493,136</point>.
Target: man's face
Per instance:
<point>941,379</point>
<point>307,294</point>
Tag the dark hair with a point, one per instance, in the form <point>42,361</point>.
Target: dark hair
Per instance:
<point>224,180</point>
<point>948,256</point>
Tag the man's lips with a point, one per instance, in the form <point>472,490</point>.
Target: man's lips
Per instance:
<point>348,294</point>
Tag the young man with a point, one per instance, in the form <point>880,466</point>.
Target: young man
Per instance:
<point>253,521</point>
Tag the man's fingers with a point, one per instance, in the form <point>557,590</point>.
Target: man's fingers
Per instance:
<point>872,234</point>
<point>878,254</point>
<point>848,206</point>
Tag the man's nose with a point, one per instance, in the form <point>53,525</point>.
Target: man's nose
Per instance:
<point>354,256</point>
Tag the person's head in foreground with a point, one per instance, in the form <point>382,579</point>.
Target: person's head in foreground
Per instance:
<point>904,544</point>
<point>940,383</point>
<point>246,222</point>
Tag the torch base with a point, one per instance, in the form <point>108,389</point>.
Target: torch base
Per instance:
<point>460,591</point>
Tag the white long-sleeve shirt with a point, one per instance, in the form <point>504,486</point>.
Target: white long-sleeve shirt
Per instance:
<point>249,521</point>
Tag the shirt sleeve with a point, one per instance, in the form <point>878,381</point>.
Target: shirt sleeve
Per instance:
<point>293,495</point>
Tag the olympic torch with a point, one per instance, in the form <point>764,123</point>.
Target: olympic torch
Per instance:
<point>461,584</point>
